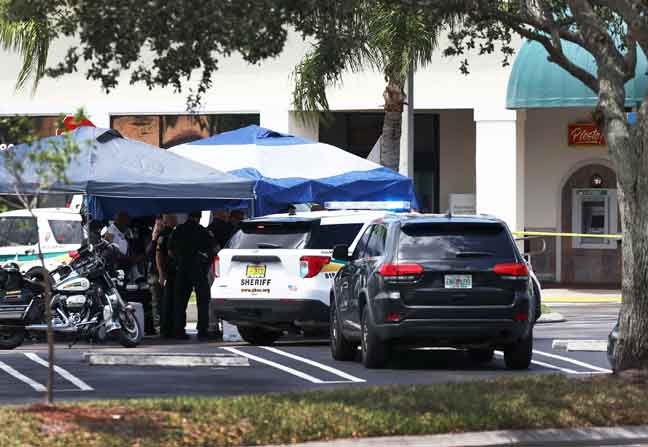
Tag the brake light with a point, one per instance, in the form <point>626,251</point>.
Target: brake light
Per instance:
<point>514,269</point>
<point>216,266</point>
<point>521,316</point>
<point>74,254</point>
<point>310,266</point>
<point>390,270</point>
<point>393,317</point>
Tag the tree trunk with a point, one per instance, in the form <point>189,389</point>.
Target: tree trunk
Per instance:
<point>632,347</point>
<point>628,148</point>
<point>392,126</point>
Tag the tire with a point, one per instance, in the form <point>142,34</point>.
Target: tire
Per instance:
<point>259,336</point>
<point>374,351</point>
<point>341,348</point>
<point>538,302</point>
<point>518,355</point>
<point>130,334</point>
<point>11,339</point>
<point>481,355</point>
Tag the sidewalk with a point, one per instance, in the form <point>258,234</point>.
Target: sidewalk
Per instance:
<point>580,296</point>
<point>610,436</point>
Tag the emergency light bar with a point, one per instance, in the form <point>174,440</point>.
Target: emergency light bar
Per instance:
<point>395,205</point>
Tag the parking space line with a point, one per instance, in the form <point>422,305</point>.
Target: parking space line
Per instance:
<point>61,372</point>
<point>545,365</point>
<point>330,369</point>
<point>23,378</point>
<point>284,368</point>
<point>573,361</point>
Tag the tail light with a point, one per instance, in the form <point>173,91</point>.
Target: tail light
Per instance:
<point>512,271</point>
<point>310,266</point>
<point>216,266</point>
<point>401,272</point>
<point>74,254</point>
<point>521,316</point>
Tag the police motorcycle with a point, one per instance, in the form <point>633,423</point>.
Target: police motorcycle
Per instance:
<point>85,303</point>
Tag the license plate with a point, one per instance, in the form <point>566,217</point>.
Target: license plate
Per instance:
<point>255,271</point>
<point>458,281</point>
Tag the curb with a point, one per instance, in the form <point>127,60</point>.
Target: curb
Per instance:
<point>553,437</point>
<point>551,317</point>
<point>580,345</point>
<point>164,359</point>
<point>581,299</point>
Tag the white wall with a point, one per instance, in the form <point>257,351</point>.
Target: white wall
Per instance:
<point>264,88</point>
<point>549,160</point>
<point>457,154</point>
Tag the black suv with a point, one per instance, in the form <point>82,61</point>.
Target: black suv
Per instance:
<point>447,281</point>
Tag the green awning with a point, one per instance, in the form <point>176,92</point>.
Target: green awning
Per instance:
<point>537,83</point>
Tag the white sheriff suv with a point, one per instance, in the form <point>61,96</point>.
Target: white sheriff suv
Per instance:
<point>276,272</point>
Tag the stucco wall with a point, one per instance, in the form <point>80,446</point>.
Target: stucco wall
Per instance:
<point>263,89</point>
<point>457,154</point>
<point>549,160</point>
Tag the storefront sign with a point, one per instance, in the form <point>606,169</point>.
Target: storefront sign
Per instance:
<point>585,134</point>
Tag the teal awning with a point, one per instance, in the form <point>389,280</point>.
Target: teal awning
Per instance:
<point>537,83</point>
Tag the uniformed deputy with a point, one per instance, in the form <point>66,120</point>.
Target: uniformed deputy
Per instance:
<point>166,275</point>
<point>192,248</point>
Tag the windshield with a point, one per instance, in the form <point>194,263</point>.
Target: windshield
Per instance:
<point>454,241</point>
<point>15,231</point>
<point>67,231</point>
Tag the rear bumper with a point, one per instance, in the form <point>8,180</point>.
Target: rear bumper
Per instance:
<point>455,333</point>
<point>452,325</point>
<point>271,311</point>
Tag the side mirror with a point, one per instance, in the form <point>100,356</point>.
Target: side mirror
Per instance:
<point>341,253</point>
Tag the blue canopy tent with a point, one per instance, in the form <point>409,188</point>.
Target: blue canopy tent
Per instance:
<point>116,174</point>
<point>289,169</point>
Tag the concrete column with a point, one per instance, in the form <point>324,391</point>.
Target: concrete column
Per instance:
<point>406,159</point>
<point>499,165</point>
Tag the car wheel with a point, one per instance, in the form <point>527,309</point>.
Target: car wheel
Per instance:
<point>481,355</point>
<point>258,335</point>
<point>10,339</point>
<point>341,348</point>
<point>518,355</point>
<point>374,352</point>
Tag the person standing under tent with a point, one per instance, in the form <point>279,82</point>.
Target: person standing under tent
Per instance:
<point>220,229</point>
<point>192,248</point>
<point>166,269</point>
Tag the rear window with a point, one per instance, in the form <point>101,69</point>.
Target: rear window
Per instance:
<point>67,231</point>
<point>271,235</point>
<point>455,241</point>
<point>293,235</point>
<point>328,236</point>
<point>18,231</point>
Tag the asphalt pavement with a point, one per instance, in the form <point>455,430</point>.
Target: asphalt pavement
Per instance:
<point>292,365</point>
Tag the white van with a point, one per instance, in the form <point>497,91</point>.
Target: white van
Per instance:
<point>59,230</point>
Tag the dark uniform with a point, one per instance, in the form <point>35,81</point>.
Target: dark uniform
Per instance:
<point>221,231</point>
<point>192,248</point>
<point>167,321</point>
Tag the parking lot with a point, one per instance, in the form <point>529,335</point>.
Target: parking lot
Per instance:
<point>291,365</point>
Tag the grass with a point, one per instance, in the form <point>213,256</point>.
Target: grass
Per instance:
<point>533,402</point>
<point>545,309</point>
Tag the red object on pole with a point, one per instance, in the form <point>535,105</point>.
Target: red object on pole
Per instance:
<point>70,123</point>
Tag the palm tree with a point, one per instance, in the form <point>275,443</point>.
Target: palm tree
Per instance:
<point>386,36</point>
<point>31,40</point>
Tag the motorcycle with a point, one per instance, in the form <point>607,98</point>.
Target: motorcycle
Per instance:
<point>85,301</point>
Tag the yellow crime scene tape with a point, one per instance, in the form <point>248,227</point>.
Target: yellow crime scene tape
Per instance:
<point>543,233</point>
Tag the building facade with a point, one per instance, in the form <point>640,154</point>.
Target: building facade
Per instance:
<point>498,141</point>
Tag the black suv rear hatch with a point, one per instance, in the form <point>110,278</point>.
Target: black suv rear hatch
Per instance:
<point>458,261</point>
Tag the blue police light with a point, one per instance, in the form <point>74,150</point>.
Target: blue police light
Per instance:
<point>388,205</point>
